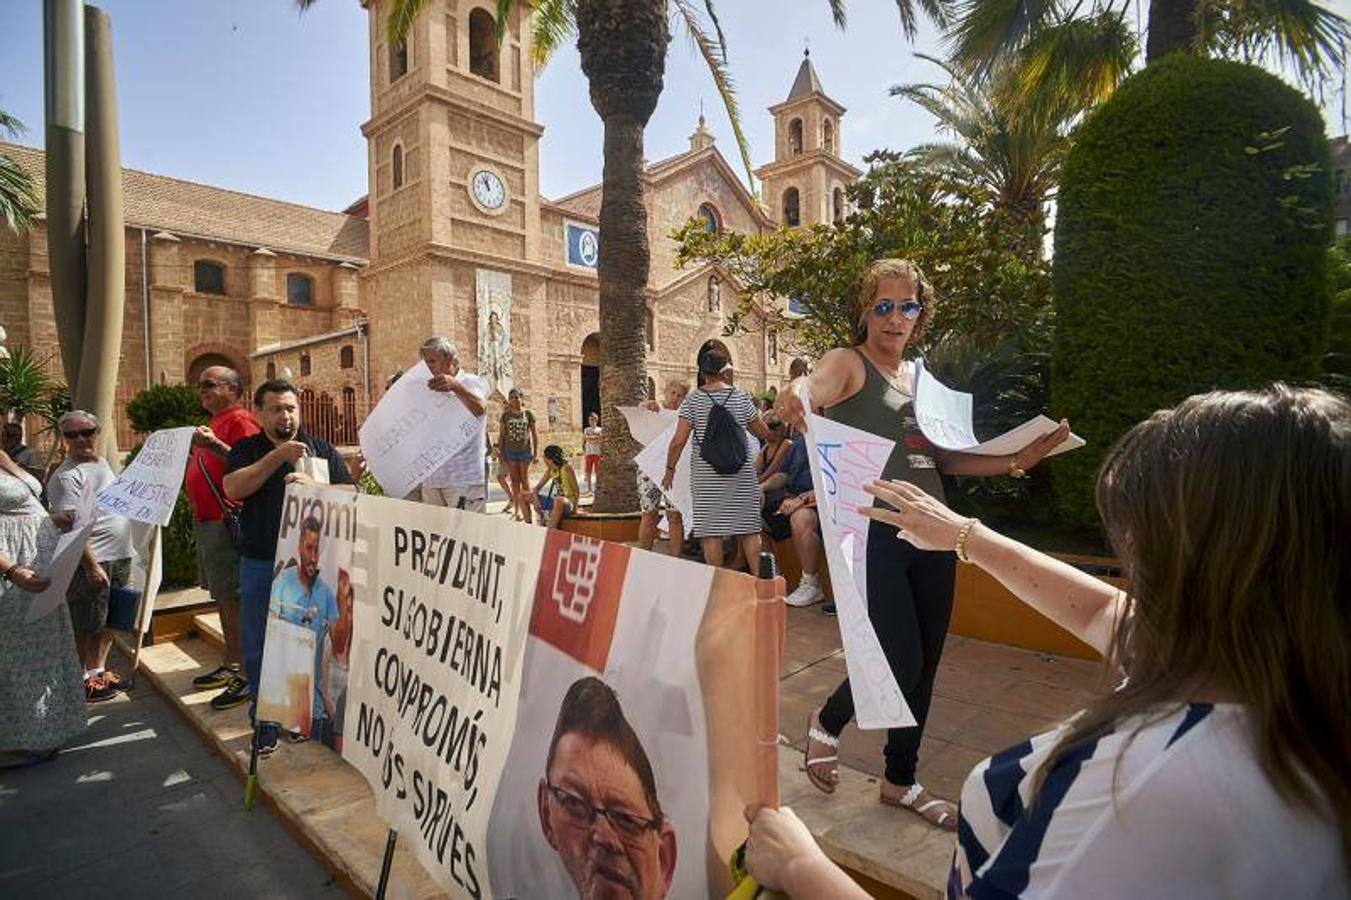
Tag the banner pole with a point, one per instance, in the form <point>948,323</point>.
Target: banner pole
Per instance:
<point>386,864</point>
<point>251,782</point>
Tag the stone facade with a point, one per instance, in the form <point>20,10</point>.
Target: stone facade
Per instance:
<point>453,173</point>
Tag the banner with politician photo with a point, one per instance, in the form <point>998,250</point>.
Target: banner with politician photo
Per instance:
<point>647,720</point>
<point>310,622</point>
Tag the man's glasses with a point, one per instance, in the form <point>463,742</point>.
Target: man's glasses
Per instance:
<point>82,433</point>
<point>206,384</point>
<point>580,811</point>
<point>909,308</point>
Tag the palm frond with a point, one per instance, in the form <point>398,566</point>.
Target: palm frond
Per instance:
<point>11,125</point>
<point>555,23</point>
<point>402,15</point>
<point>986,32</point>
<point>18,199</point>
<point>937,10</point>
<point>837,12</point>
<point>722,79</point>
<point>500,19</point>
<point>1304,36</point>
<point>717,28</point>
<point>1075,64</point>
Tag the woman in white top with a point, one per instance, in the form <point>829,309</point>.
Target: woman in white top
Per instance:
<point>1220,766</point>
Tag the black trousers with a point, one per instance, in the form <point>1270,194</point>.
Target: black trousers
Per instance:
<point>910,605</point>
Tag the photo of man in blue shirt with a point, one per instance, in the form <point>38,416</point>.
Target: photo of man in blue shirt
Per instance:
<point>301,597</point>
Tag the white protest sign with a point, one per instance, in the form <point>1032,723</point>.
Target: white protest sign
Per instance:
<point>652,463</point>
<point>944,415</point>
<point>412,431</point>
<point>147,568</point>
<point>66,557</point>
<point>441,616</point>
<point>147,490</point>
<point>647,425</point>
<point>843,460</point>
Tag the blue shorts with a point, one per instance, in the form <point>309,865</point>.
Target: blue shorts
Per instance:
<point>547,503</point>
<point>518,456</point>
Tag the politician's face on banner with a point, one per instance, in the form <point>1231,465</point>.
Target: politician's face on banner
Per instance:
<point>308,551</point>
<point>598,805</point>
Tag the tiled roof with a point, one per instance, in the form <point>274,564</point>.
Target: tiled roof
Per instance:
<point>806,82</point>
<point>586,202</point>
<point>192,209</point>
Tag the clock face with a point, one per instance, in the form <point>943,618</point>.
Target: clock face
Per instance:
<point>488,189</point>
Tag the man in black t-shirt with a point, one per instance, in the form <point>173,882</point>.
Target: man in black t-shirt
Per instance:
<point>256,473</point>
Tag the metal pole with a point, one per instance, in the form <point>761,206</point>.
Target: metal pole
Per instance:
<point>386,864</point>
<point>63,50</point>
<point>96,390</point>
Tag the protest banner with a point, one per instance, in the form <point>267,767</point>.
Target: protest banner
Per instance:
<point>147,570</point>
<point>651,461</point>
<point>307,646</point>
<point>944,415</point>
<point>844,460</point>
<point>412,431</point>
<point>147,490</point>
<point>66,556</point>
<point>468,636</point>
<point>646,425</point>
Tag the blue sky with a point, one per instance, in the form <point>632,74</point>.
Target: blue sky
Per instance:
<point>253,96</point>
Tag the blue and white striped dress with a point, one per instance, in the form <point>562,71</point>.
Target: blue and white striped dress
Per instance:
<point>1190,814</point>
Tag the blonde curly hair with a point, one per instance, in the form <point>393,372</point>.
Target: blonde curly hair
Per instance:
<point>878,272</point>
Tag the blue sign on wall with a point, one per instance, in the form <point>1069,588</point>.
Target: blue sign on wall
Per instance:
<point>583,244</point>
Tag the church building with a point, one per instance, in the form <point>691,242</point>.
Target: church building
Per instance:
<point>453,238</point>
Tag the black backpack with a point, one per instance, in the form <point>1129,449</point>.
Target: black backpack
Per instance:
<point>724,443</point>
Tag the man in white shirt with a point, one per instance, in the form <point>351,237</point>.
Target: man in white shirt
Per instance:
<point>459,481</point>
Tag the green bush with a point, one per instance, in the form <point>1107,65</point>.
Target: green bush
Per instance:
<point>171,406</point>
<point>1337,359</point>
<point>1191,243</point>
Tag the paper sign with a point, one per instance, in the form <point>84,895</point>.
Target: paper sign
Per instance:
<point>944,415</point>
<point>652,463</point>
<point>147,569</point>
<point>66,557</point>
<point>646,425</point>
<point>412,431</point>
<point>843,460</point>
<point>147,490</point>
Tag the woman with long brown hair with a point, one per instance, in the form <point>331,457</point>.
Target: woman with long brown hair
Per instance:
<point>1219,766</point>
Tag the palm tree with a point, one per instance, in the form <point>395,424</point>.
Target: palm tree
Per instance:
<point>18,200</point>
<point>1087,47</point>
<point>623,46</point>
<point>1009,147</point>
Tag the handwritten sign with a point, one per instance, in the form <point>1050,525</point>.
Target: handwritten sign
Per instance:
<point>66,557</point>
<point>412,431</point>
<point>647,425</point>
<point>147,490</point>
<point>944,415</point>
<point>843,460</point>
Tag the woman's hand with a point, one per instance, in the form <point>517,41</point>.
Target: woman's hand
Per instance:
<point>29,580</point>
<point>97,577</point>
<point>63,520</point>
<point>919,518</point>
<point>789,406</point>
<point>779,845</point>
<point>1036,451</point>
<point>668,479</point>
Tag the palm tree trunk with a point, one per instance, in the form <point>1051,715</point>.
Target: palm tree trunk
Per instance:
<point>1172,26</point>
<point>622,271</point>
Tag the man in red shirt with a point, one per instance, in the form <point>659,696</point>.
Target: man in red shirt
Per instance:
<point>217,557</point>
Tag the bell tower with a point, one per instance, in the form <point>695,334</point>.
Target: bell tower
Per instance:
<point>804,185</point>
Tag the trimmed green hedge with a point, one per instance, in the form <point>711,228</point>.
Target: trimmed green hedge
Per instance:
<point>1191,239</point>
<point>171,406</point>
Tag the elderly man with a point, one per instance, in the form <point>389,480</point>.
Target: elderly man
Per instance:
<point>107,556</point>
<point>459,482</point>
<point>257,471</point>
<point>598,803</point>
<point>221,393</point>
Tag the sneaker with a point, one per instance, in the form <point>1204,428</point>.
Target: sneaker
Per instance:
<point>221,677</point>
<point>235,693</point>
<point>807,593</point>
<point>828,609</point>
<point>265,739</point>
<point>97,689</point>
<point>115,681</point>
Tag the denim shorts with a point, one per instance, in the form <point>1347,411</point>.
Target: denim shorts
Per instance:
<point>547,503</point>
<point>518,456</point>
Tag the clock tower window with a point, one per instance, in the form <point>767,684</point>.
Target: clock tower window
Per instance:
<point>483,45</point>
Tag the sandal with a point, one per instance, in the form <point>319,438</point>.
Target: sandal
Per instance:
<point>934,810</point>
<point>822,771</point>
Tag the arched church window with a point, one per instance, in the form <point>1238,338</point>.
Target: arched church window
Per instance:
<point>791,212</point>
<point>346,357</point>
<point>483,45</point>
<point>271,371</point>
<point>304,364</point>
<point>828,136</point>
<point>837,204</point>
<point>396,165</point>
<point>208,277</point>
<point>398,60</point>
<point>795,137</point>
<point>650,330</point>
<point>773,346</point>
<point>710,219</point>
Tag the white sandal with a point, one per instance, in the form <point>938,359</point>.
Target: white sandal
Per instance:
<point>821,736</point>
<point>945,820</point>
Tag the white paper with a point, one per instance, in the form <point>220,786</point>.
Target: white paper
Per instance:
<point>147,569</point>
<point>646,425</point>
<point>66,557</point>
<point>412,431</point>
<point>944,415</point>
<point>147,490</point>
<point>652,463</point>
<point>843,460</point>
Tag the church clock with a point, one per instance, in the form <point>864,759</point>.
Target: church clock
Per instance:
<point>487,190</point>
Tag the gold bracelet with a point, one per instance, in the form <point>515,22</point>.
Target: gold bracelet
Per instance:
<point>962,534</point>
<point>1015,470</point>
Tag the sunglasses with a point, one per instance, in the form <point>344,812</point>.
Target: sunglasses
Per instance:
<point>206,384</point>
<point>82,433</point>
<point>909,308</point>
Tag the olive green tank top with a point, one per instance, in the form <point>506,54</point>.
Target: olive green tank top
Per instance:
<point>879,408</point>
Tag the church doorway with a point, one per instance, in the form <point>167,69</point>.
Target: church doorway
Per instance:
<point>590,377</point>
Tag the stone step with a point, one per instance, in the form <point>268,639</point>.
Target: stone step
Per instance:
<point>207,626</point>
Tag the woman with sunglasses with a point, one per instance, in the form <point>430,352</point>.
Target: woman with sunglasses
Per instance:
<point>870,386</point>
